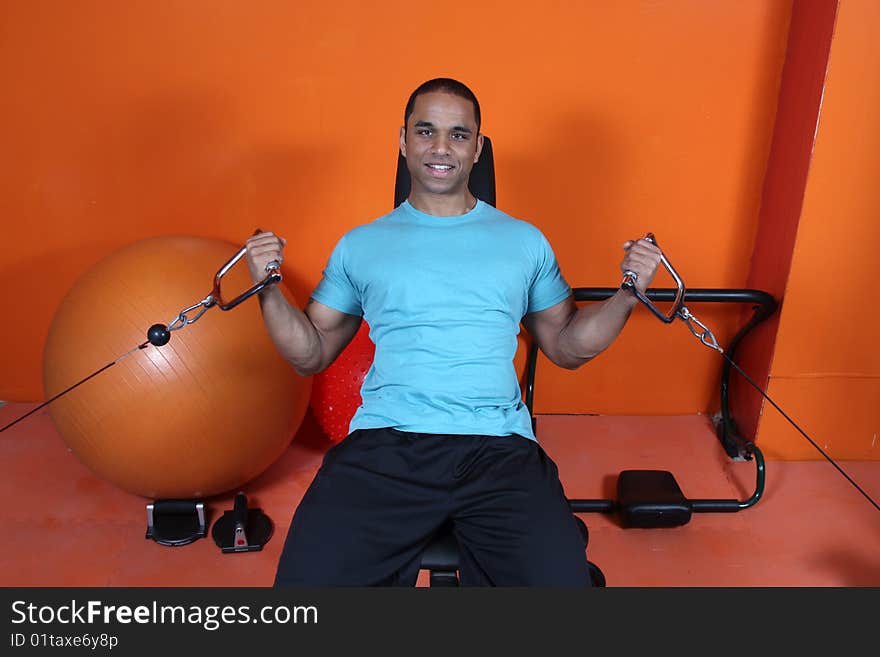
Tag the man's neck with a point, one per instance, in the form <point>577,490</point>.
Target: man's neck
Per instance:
<point>442,205</point>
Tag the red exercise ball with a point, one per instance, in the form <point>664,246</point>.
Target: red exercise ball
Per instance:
<point>336,392</point>
<point>198,416</point>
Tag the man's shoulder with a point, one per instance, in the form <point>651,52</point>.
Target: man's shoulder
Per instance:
<point>371,228</point>
<point>514,223</point>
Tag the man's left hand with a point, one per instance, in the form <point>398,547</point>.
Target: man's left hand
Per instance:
<point>642,258</point>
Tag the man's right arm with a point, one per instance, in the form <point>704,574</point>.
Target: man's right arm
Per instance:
<point>309,340</point>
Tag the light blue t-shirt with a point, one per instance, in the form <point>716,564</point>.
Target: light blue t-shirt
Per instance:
<point>444,297</point>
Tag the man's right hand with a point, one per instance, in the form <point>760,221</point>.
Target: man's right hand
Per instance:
<point>262,249</point>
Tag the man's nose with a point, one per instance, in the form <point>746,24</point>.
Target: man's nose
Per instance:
<point>440,145</point>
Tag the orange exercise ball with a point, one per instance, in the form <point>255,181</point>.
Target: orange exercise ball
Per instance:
<point>198,416</point>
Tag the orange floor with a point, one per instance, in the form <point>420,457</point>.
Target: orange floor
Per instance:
<point>65,527</point>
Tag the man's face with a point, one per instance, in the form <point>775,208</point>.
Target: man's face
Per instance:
<point>440,143</point>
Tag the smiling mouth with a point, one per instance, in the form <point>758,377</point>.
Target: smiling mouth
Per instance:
<point>440,170</point>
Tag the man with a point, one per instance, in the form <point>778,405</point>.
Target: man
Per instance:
<point>444,282</point>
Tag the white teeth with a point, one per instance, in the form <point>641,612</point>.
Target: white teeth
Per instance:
<point>441,167</point>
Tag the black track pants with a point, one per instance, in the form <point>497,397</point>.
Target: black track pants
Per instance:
<point>381,494</point>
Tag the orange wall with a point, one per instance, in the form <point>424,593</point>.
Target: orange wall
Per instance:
<point>826,366</point>
<point>609,119</point>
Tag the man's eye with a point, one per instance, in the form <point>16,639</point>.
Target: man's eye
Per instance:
<point>459,135</point>
<point>425,132</point>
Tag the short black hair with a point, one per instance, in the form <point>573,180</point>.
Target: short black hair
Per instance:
<point>445,85</point>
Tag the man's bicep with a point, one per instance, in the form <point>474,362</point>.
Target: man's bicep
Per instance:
<point>545,326</point>
<point>335,328</point>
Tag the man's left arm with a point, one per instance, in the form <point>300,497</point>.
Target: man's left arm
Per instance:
<point>570,336</point>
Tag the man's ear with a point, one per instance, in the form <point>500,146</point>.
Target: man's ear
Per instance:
<point>479,147</point>
<point>403,140</point>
